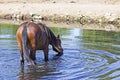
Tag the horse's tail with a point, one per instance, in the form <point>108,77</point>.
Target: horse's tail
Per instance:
<point>24,39</point>
<point>25,43</point>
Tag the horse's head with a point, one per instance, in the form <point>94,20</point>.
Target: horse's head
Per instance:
<point>57,45</point>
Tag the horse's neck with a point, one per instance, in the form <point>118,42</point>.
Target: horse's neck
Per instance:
<point>49,33</point>
<point>52,37</point>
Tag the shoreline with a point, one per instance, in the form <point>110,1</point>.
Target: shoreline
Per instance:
<point>105,27</point>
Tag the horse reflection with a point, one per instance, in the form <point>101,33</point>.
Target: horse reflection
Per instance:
<point>40,71</point>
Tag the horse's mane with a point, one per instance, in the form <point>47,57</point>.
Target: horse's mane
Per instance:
<point>50,34</point>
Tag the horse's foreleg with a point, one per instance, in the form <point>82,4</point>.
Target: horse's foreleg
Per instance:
<point>46,54</point>
<point>33,54</point>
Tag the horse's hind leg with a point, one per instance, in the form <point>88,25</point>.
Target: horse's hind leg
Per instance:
<point>19,41</point>
<point>21,52</point>
<point>33,54</point>
<point>21,55</point>
<point>22,58</point>
<point>33,50</point>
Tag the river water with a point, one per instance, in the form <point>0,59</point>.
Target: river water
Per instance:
<point>88,55</point>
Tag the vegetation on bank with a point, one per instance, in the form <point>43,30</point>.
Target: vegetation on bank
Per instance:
<point>82,19</point>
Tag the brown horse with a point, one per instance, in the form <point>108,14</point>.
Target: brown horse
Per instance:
<point>32,37</point>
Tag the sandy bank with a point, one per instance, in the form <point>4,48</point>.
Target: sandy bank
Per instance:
<point>73,9</point>
<point>64,9</point>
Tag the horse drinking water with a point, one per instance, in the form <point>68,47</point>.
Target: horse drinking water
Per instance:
<point>31,37</point>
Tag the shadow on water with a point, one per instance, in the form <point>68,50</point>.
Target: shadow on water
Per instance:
<point>88,55</point>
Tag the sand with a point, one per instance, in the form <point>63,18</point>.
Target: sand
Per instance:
<point>92,8</point>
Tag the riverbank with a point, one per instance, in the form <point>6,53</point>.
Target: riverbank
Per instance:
<point>105,27</point>
<point>94,11</point>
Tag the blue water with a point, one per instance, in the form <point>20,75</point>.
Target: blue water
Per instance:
<point>88,55</point>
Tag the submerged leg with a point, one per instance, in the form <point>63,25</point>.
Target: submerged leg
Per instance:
<point>46,54</point>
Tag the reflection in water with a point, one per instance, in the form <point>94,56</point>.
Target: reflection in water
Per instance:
<point>40,70</point>
<point>88,55</point>
<point>34,73</point>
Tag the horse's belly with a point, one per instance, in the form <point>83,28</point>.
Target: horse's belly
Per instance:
<point>41,46</point>
<point>38,43</point>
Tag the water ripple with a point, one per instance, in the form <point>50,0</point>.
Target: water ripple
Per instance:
<point>88,55</point>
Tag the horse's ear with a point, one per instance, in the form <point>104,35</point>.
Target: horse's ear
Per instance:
<point>58,36</point>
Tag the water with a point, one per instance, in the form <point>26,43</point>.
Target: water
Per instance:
<point>88,55</point>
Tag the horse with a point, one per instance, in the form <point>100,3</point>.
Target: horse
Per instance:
<point>36,36</point>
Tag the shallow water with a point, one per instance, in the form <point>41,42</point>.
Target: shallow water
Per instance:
<point>88,55</point>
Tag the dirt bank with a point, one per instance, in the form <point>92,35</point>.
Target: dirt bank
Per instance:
<point>63,9</point>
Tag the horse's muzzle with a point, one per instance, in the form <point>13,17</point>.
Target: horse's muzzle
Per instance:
<point>58,49</point>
